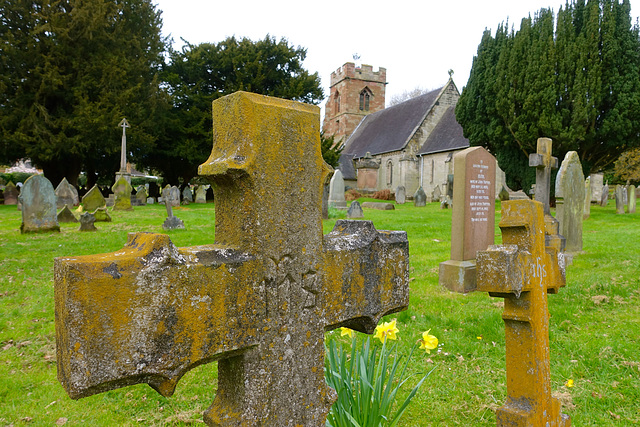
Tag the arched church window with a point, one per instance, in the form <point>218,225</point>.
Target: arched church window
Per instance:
<point>337,102</point>
<point>365,96</point>
<point>389,173</point>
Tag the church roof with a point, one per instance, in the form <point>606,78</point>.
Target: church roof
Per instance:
<point>445,136</point>
<point>390,129</point>
<point>346,167</point>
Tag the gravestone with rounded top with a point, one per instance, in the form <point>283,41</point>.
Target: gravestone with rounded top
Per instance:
<point>597,184</point>
<point>604,198</point>
<point>355,210</point>
<point>93,199</point>
<point>631,207</point>
<point>66,194</point>
<point>10,194</point>
<point>619,199</point>
<point>401,195</point>
<point>38,199</point>
<point>570,201</point>
<point>587,198</point>
<point>187,195</point>
<point>201,194</point>
<point>336,191</point>
<point>258,299</point>
<point>419,198</point>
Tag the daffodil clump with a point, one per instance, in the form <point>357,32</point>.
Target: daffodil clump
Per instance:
<point>367,379</point>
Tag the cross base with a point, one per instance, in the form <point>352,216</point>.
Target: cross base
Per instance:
<point>458,276</point>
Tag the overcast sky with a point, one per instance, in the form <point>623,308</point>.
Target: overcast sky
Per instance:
<point>416,41</point>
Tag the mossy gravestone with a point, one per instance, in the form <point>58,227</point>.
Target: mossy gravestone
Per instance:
<point>39,213</point>
<point>122,193</point>
<point>258,300</point>
<point>93,199</point>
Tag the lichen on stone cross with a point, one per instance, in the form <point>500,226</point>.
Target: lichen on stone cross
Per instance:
<point>523,271</point>
<point>258,299</point>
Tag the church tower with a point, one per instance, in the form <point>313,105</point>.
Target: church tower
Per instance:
<point>354,93</point>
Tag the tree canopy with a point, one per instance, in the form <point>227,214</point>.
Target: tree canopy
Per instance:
<point>69,72</point>
<point>576,83</point>
<point>199,74</point>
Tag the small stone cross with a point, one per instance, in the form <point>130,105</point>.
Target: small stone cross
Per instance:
<point>523,271</point>
<point>258,300</point>
<point>124,124</point>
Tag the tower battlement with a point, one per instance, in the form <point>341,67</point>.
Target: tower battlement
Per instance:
<point>364,72</point>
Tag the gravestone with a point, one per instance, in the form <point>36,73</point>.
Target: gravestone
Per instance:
<point>86,222</point>
<point>401,195</point>
<point>587,198</point>
<point>11,194</point>
<point>140,199</point>
<point>325,195</point>
<point>523,271</point>
<point>631,207</point>
<point>381,206</point>
<point>172,222</point>
<point>187,195</point>
<point>111,200</point>
<point>419,198</point>
<point>570,200</point>
<point>619,199</point>
<point>258,300</point>
<point>38,199</point>
<point>472,219</point>
<point>604,199</point>
<point>172,194</point>
<point>201,194</point>
<point>66,216</point>
<point>93,199</point>
<point>336,191</point>
<point>101,215</point>
<point>597,185</point>
<point>503,195</point>
<point>436,194</point>
<point>518,195</point>
<point>544,162</point>
<point>66,194</point>
<point>355,210</point>
<point>122,194</point>
<point>151,200</point>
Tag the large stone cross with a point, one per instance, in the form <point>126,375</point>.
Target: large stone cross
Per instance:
<point>258,300</point>
<point>523,271</point>
<point>544,163</point>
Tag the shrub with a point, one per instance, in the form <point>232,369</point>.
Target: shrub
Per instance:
<point>352,195</point>
<point>384,195</point>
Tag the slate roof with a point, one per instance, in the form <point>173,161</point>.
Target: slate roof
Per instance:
<point>390,129</point>
<point>346,167</point>
<point>446,136</point>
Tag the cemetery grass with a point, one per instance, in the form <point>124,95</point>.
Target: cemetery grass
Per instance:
<point>594,330</point>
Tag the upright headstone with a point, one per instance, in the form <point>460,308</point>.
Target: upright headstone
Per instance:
<point>93,199</point>
<point>401,195</point>
<point>436,194</point>
<point>619,199</point>
<point>172,194</point>
<point>86,222</point>
<point>140,198</point>
<point>201,194</point>
<point>355,210</point>
<point>66,216</point>
<point>66,194</point>
<point>503,195</point>
<point>523,271</point>
<point>39,213</point>
<point>544,162</point>
<point>187,195</point>
<point>419,198</point>
<point>473,217</point>
<point>632,199</point>
<point>122,195</point>
<point>101,215</point>
<point>597,185</point>
<point>258,300</point>
<point>11,194</point>
<point>172,222</point>
<point>336,191</point>
<point>604,199</point>
<point>587,198</point>
<point>625,195</point>
<point>570,201</point>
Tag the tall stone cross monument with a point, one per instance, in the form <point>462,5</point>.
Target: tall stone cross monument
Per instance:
<point>124,124</point>
<point>544,162</point>
<point>523,271</point>
<point>258,299</point>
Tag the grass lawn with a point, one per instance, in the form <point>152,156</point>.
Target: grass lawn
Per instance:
<point>594,332</point>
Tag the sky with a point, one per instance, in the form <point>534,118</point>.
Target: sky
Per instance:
<point>416,41</point>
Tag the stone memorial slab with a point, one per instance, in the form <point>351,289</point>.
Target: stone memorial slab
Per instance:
<point>472,219</point>
<point>187,196</point>
<point>587,198</point>
<point>140,198</point>
<point>101,215</point>
<point>93,200</point>
<point>171,194</point>
<point>518,195</point>
<point>38,199</point>
<point>570,201</point>
<point>66,216</point>
<point>172,222</point>
<point>258,300</point>
<point>523,271</point>
<point>66,194</point>
<point>201,194</point>
<point>619,199</point>
<point>151,200</point>
<point>401,195</point>
<point>381,206</point>
<point>597,185</point>
<point>10,194</point>
<point>436,194</point>
<point>355,210</point>
<point>111,200</point>
<point>122,195</point>
<point>86,222</point>
<point>631,207</point>
<point>419,198</point>
<point>336,191</point>
<point>604,199</point>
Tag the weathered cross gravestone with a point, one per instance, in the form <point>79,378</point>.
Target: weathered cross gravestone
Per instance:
<point>544,162</point>
<point>523,271</point>
<point>172,222</point>
<point>66,194</point>
<point>39,213</point>
<point>401,195</point>
<point>258,300</point>
<point>472,219</point>
<point>201,194</point>
<point>570,200</point>
<point>122,194</point>
<point>336,191</point>
<point>86,222</point>
<point>604,199</point>
<point>631,207</point>
<point>65,215</point>
<point>355,210</point>
<point>587,198</point>
<point>93,199</point>
<point>419,198</point>
<point>10,194</point>
<point>619,199</point>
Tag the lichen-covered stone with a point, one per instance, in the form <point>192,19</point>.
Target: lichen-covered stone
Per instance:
<point>38,199</point>
<point>258,300</point>
<point>122,194</point>
<point>93,199</point>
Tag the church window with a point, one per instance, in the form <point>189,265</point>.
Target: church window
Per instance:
<point>337,102</point>
<point>389,173</point>
<point>365,96</point>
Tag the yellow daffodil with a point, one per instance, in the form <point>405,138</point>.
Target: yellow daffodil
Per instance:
<point>386,330</point>
<point>428,342</point>
<point>569,383</point>
<point>346,331</point>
